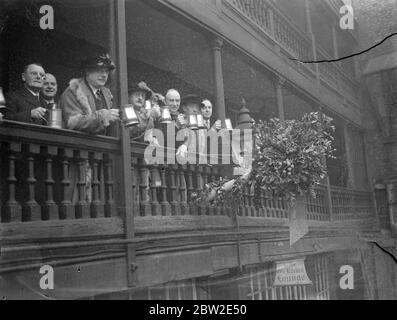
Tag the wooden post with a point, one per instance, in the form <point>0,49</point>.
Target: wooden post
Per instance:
<point>119,25</point>
<point>218,78</point>
<point>335,42</point>
<point>279,82</point>
<point>310,31</point>
<point>350,179</point>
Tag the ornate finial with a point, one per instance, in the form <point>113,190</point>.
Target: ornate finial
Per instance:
<point>244,117</point>
<point>243,102</point>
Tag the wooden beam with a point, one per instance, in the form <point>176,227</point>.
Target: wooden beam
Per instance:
<point>125,161</point>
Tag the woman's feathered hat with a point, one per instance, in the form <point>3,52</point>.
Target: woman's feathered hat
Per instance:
<point>98,62</point>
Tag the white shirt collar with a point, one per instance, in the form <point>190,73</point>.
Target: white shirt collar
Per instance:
<point>93,89</point>
<point>50,101</point>
<point>33,93</point>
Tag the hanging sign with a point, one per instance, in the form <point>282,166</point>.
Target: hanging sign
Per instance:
<point>292,272</point>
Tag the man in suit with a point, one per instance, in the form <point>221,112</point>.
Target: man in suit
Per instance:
<point>206,110</point>
<point>49,90</point>
<point>26,104</point>
<point>86,102</point>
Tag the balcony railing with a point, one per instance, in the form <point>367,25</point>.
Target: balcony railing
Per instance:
<point>44,177</point>
<point>276,25</point>
<point>41,166</point>
<point>265,15</point>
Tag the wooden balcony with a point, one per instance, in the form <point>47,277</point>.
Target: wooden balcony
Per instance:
<point>280,30</point>
<point>41,223</point>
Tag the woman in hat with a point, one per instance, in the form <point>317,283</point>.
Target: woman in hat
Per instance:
<point>86,102</point>
<point>87,106</point>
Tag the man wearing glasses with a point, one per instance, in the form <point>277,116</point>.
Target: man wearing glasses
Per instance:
<point>26,104</point>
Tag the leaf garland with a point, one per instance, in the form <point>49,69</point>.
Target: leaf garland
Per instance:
<point>288,160</point>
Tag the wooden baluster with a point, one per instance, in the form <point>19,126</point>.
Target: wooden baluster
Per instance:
<point>211,208</point>
<point>200,186</point>
<point>175,204</point>
<point>146,209</point>
<point>273,205</point>
<point>84,171</point>
<point>66,208</point>
<point>135,186</point>
<point>50,209</point>
<point>262,207</point>
<point>247,208</point>
<point>254,210</point>
<point>31,210</point>
<point>110,207</point>
<point>280,207</point>
<point>267,204</point>
<point>190,189</point>
<point>155,176</point>
<point>218,209</point>
<point>97,205</point>
<point>183,190</point>
<point>165,205</point>
<point>12,210</point>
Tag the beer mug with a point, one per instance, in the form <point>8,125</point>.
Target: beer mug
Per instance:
<point>55,117</point>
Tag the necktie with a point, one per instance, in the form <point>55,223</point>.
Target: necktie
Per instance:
<point>99,94</point>
<point>99,100</point>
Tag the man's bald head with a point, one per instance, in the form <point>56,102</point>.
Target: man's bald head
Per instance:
<point>173,100</point>
<point>50,86</point>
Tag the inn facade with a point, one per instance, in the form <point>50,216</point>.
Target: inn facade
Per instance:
<point>137,240</point>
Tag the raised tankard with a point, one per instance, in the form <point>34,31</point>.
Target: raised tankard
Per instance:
<point>55,117</point>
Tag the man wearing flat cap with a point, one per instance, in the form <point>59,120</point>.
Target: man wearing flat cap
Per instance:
<point>138,94</point>
<point>87,103</point>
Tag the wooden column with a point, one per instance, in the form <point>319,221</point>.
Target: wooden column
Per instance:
<point>278,85</point>
<point>124,162</point>
<point>218,78</point>
<point>335,42</point>
<point>350,179</point>
<point>311,34</point>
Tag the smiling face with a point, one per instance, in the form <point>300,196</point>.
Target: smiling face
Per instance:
<point>33,77</point>
<point>191,108</point>
<point>173,100</point>
<point>206,109</point>
<point>97,77</point>
<point>137,99</point>
<point>50,86</point>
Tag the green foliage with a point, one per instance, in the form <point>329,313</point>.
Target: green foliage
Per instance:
<point>288,160</point>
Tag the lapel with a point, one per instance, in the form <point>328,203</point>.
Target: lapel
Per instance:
<point>30,99</point>
<point>88,93</point>
<point>107,97</point>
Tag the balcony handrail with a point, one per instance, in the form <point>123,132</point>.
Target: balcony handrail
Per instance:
<point>288,20</point>
<point>31,133</point>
